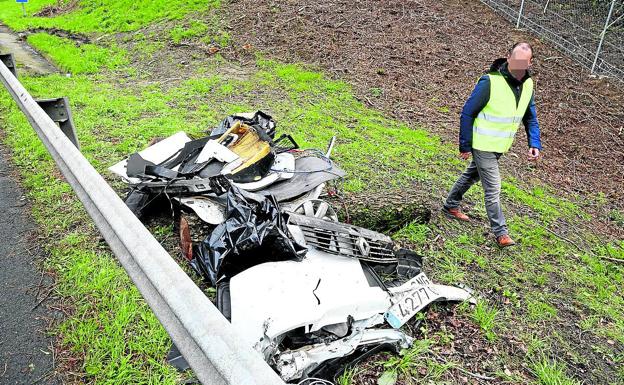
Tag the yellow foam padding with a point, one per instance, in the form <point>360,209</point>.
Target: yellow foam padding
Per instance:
<point>249,147</point>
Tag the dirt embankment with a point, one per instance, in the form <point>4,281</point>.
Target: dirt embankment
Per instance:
<point>418,61</point>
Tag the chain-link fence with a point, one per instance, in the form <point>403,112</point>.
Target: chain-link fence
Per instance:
<point>590,31</point>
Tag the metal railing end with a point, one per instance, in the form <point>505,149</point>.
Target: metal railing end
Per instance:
<point>9,61</point>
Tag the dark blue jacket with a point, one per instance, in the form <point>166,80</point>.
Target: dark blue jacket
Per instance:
<point>480,97</point>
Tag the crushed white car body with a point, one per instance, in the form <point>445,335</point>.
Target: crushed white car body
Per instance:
<point>273,298</point>
<point>310,294</point>
<point>295,364</point>
<point>331,294</point>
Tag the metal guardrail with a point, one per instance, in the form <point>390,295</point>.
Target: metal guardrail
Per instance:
<point>204,337</point>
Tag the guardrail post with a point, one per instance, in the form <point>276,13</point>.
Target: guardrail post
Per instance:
<point>9,61</point>
<point>58,110</point>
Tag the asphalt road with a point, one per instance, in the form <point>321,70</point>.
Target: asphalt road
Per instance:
<point>27,59</point>
<point>25,351</point>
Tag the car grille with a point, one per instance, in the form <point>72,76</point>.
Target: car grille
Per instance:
<point>346,240</point>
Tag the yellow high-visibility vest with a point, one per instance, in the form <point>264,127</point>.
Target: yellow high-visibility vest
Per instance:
<point>496,125</point>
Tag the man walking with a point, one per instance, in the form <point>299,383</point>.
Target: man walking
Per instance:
<point>501,100</point>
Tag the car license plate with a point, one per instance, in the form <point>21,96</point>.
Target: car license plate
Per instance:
<point>417,297</point>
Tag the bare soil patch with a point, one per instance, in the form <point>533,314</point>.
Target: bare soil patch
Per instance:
<point>58,9</point>
<point>418,61</point>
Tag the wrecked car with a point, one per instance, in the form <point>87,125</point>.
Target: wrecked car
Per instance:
<point>310,294</point>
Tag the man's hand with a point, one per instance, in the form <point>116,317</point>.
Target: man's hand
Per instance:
<point>534,153</point>
<point>464,155</point>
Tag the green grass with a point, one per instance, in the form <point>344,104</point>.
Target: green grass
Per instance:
<point>415,365</point>
<point>197,30</point>
<point>547,204</point>
<point>415,232</point>
<point>538,310</point>
<point>101,16</point>
<point>406,363</point>
<point>551,373</point>
<point>485,316</point>
<point>598,286</point>
<point>617,217</point>
<point>119,337</point>
<point>77,59</point>
<point>347,378</point>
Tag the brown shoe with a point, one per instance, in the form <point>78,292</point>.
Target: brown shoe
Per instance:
<point>505,241</point>
<point>456,213</point>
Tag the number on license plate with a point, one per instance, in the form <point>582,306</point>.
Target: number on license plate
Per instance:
<point>417,297</point>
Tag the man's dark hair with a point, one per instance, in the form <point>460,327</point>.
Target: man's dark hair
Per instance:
<point>523,43</point>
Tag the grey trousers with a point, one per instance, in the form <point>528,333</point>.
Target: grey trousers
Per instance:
<point>484,167</point>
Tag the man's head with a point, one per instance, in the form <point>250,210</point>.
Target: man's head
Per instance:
<point>520,56</point>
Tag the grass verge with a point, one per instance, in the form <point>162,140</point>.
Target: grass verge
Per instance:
<point>77,59</point>
<point>105,16</point>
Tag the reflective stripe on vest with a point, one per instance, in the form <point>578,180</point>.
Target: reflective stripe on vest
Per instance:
<point>496,125</point>
<point>499,119</point>
<point>500,134</point>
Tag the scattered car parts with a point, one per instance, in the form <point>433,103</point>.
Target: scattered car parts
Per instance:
<point>254,232</point>
<point>296,364</point>
<point>342,239</point>
<point>309,293</point>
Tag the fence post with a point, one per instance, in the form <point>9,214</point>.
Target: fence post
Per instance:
<point>602,35</point>
<point>546,6</point>
<point>520,14</point>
